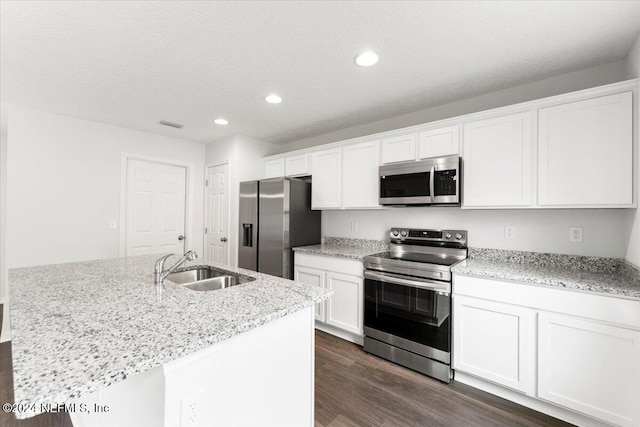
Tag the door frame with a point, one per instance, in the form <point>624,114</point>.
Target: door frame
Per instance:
<point>230,232</point>
<point>189,196</point>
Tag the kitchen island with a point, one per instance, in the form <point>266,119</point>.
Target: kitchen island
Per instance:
<point>90,335</point>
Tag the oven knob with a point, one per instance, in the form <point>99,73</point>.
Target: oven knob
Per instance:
<point>403,233</point>
<point>447,236</point>
<point>458,236</point>
<point>395,233</point>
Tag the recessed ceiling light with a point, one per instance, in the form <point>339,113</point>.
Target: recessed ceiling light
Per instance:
<point>366,59</point>
<point>221,122</point>
<point>273,99</point>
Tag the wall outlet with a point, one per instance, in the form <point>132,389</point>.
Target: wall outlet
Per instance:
<point>509,232</point>
<point>354,225</point>
<point>575,234</point>
<point>113,224</point>
<point>190,410</point>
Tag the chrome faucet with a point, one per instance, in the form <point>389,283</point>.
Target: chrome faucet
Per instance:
<point>159,273</point>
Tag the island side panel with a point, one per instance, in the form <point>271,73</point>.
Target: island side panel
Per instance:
<point>261,377</point>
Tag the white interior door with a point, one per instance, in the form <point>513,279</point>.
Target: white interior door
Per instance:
<point>217,227</point>
<point>155,208</point>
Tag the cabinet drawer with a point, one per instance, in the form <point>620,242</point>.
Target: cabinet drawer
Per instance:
<point>328,263</point>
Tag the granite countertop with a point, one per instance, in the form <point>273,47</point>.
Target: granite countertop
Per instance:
<point>79,327</point>
<point>345,248</point>
<point>607,276</point>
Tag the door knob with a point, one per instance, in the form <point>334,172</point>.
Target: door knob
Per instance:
<point>181,237</point>
<point>223,239</point>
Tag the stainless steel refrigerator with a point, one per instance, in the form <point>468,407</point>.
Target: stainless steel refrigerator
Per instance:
<point>275,216</point>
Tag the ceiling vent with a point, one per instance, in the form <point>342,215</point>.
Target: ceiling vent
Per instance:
<point>171,124</point>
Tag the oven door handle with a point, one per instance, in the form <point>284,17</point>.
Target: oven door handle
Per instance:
<point>429,285</point>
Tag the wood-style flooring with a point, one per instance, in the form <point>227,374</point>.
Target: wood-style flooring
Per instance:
<point>356,389</point>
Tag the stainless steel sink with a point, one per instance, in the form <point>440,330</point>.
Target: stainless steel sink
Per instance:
<point>207,278</point>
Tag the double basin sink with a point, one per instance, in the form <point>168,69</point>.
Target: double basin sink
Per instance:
<point>206,278</point>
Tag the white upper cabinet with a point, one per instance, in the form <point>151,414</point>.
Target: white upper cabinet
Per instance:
<point>497,161</point>
<point>274,168</point>
<point>360,175</point>
<point>585,153</point>
<point>326,173</point>
<point>438,142</point>
<point>287,166</point>
<point>296,165</point>
<point>576,150</point>
<point>399,148</point>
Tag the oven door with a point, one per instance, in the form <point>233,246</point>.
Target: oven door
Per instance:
<point>408,312</point>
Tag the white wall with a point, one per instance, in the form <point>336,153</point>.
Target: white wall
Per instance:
<point>633,71</point>
<point>244,155</point>
<point>605,231</point>
<point>63,185</point>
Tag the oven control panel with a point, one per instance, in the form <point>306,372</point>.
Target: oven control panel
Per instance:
<point>418,235</point>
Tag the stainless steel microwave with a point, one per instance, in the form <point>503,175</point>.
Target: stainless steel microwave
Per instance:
<point>434,181</point>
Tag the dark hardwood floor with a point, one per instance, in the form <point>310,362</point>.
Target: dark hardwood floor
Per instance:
<point>356,389</point>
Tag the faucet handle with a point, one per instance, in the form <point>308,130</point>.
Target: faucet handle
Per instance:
<point>160,263</point>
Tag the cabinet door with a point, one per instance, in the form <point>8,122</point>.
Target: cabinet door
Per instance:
<point>590,367</point>
<point>297,165</point>
<point>326,191</point>
<point>495,341</point>
<point>344,310</point>
<point>585,153</point>
<point>438,142</point>
<point>360,179</point>
<point>497,162</point>
<point>274,168</point>
<point>399,148</point>
<point>312,276</point>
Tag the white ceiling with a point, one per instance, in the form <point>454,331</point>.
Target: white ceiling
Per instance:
<point>133,63</point>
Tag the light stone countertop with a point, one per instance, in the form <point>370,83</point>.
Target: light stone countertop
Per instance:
<point>79,327</point>
<point>606,276</point>
<point>345,248</point>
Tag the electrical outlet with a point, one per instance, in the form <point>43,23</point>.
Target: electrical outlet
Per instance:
<point>189,410</point>
<point>575,234</point>
<point>354,225</point>
<point>113,224</point>
<point>509,232</point>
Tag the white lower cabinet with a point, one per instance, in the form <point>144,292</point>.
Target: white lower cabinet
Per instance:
<point>344,310</point>
<point>343,314</point>
<point>590,367</point>
<point>572,355</point>
<point>312,276</point>
<point>495,341</point>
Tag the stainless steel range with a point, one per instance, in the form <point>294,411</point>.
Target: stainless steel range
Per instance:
<point>407,316</point>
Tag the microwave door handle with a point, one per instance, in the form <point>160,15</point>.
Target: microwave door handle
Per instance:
<point>432,178</point>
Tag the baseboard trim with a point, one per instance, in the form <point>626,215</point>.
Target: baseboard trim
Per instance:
<point>349,336</point>
<point>528,401</point>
